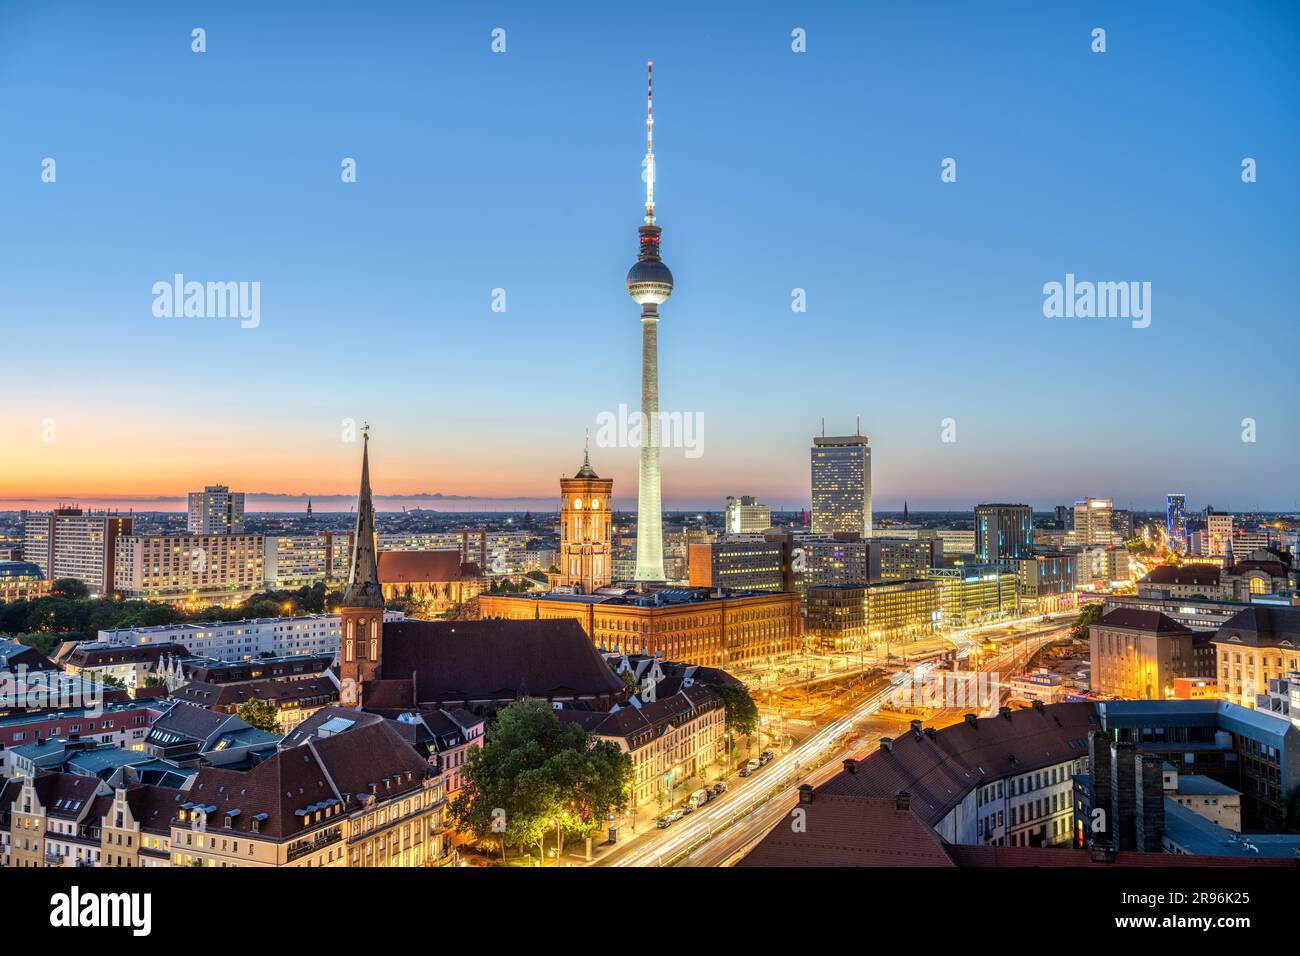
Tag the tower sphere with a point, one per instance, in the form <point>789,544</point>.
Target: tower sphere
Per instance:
<point>649,281</point>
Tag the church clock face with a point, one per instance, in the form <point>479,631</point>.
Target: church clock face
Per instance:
<point>595,502</point>
<point>577,503</point>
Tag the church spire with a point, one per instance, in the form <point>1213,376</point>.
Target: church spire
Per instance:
<point>363,581</point>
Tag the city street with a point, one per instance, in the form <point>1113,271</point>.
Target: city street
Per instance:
<point>726,827</point>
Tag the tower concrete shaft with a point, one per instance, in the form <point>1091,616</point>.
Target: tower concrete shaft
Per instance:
<point>649,521</point>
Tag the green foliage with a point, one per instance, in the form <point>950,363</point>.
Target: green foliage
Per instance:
<point>741,711</point>
<point>1089,616</point>
<point>259,714</point>
<point>70,588</point>
<point>535,773</point>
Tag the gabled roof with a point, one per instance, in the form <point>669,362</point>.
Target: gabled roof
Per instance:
<point>1262,625</point>
<point>1192,575</point>
<point>424,567</point>
<point>1133,619</point>
<point>494,660</point>
<point>939,768</point>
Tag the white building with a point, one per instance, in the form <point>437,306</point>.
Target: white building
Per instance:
<point>216,510</point>
<point>957,540</point>
<point>67,543</point>
<point>241,640</point>
<point>217,568</point>
<point>1218,532</point>
<point>745,515</point>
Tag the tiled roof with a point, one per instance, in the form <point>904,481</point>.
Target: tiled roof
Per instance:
<point>420,567</point>
<point>1136,620</point>
<point>1262,624</point>
<point>274,692</point>
<point>938,768</point>
<point>1192,575</point>
<point>843,830</point>
<point>495,660</point>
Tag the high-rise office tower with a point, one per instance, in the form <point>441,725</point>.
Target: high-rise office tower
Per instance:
<point>216,510</point>
<point>586,529</point>
<point>649,283</point>
<point>1176,521</point>
<point>841,485</point>
<point>1003,532</point>
<point>1218,533</point>
<point>1093,521</point>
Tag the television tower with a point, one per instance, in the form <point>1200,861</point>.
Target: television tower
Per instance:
<point>649,283</point>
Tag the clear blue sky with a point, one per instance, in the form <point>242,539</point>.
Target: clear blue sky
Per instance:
<point>776,170</point>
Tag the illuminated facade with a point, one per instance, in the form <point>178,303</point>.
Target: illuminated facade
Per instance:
<point>212,568</point>
<point>216,510</point>
<point>746,515</point>
<point>848,617</point>
<point>67,543</point>
<point>361,618</point>
<point>1176,521</point>
<point>1258,644</point>
<point>1136,655</point>
<point>1003,532</point>
<point>841,485</point>
<point>1093,522</point>
<point>586,529</point>
<point>685,624</point>
<point>975,592</point>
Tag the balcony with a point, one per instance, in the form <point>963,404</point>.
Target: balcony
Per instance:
<point>321,840</point>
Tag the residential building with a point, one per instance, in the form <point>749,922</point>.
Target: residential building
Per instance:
<point>249,639</point>
<point>210,568</point>
<point>68,543</point>
<point>300,560</point>
<point>216,510</point>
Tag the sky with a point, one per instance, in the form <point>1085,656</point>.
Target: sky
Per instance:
<point>776,171</point>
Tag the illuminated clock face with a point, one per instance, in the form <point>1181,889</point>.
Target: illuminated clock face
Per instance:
<point>577,503</point>
<point>595,502</point>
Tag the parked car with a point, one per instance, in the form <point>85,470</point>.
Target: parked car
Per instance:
<point>719,788</point>
<point>745,771</point>
<point>699,798</point>
<point>753,764</point>
<point>676,815</point>
<point>766,755</point>
<point>663,823</point>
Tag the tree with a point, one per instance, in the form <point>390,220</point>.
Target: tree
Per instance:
<point>1088,616</point>
<point>70,588</point>
<point>531,772</point>
<point>741,713</point>
<point>259,714</point>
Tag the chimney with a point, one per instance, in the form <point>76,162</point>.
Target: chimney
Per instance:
<point>887,743</point>
<point>851,766</point>
<point>1149,800</point>
<point>902,800</point>
<point>916,727</point>
<point>1004,712</point>
<point>971,720</point>
<point>1103,854</point>
<point>1123,794</point>
<point>1038,706</point>
<point>805,793</point>
<point>932,733</point>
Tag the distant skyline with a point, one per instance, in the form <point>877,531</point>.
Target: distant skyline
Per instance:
<point>776,171</point>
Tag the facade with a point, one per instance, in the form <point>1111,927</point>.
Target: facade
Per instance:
<point>957,540</point>
<point>22,581</point>
<point>298,560</point>
<point>211,568</point>
<point>216,510</point>
<point>746,515</point>
<point>361,618</point>
<point>245,640</point>
<point>67,543</point>
<point>1046,581</point>
<point>1093,522</point>
<point>1255,753</point>
<point>1259,644</point>
<point>1137,655</point>
<point>586,530</point>
<point>841,485</point>
<point>848,617</point>
<point>437,581</point>
<point>697,625</point>
<point>1176,521</point>
<point>1218,534</point>
<point>972,593</point>
<point>1003,532</point>
<point>751,564</point>
<point>671,740</point>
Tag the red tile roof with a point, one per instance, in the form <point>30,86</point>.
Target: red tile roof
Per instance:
<point>423,567</point>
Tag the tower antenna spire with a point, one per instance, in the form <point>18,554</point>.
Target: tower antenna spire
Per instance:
<point>649,143</point>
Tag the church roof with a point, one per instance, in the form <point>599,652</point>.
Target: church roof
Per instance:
<point>363,582</point>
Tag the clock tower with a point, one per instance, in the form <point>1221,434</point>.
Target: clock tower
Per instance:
<point>586,529</point>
